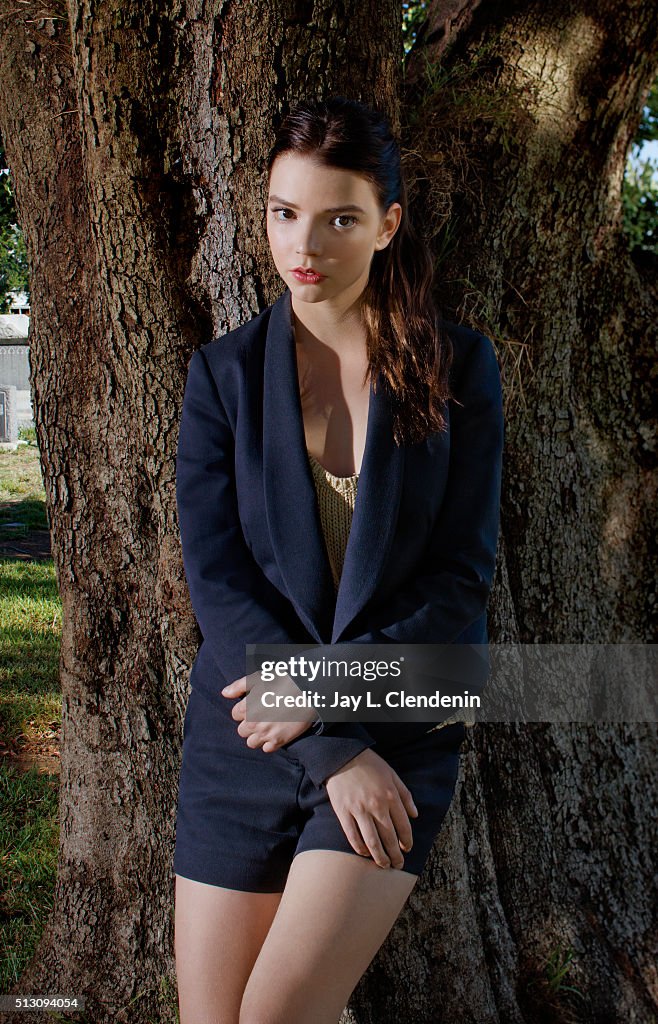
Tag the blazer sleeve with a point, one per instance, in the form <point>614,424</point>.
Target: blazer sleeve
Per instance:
<point>233,601</point>
<point>451,592</point>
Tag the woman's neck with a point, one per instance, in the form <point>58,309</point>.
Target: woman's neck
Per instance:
<point>319,328</point>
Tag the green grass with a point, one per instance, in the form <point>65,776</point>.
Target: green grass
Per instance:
<point>30,713</point>
<point>22,497</point>
<point>29,836</point>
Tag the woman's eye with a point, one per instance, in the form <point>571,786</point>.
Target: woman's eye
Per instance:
<point>345,216</point>
<point>340,217</point>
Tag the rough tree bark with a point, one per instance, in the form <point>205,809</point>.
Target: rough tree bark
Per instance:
<point>520,116</point>
<point>136,136</point>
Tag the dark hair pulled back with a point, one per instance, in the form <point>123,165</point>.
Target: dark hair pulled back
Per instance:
<point>406,342</point>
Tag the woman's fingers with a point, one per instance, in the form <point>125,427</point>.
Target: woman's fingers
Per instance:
<point>367,790</point>
<point>268,742</point>
<point>405,796</point>
<point>239,711</point>
<point>382,841</point>
<point>401,811</point>
<point>402,825</point>
<point>390,840</point>
<point>351,830</point>
<point>386,832</point>
<point>270,736</point>
<point>235,689</point>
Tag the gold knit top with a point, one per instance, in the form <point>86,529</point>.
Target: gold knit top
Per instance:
<point>336,501</point>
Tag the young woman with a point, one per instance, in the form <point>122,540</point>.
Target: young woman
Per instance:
<point>338,480</point>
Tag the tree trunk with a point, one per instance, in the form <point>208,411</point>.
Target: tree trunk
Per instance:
<point>136,139</point>
<point>136,136</point>
<point>521,129</point>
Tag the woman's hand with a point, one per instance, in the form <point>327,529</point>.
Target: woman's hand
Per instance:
<point>373,806</point>
<point>267,735</point>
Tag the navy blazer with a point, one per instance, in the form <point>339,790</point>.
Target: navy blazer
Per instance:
<point>421,554</point>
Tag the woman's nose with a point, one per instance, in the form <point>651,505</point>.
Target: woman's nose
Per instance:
<point>308,244</point>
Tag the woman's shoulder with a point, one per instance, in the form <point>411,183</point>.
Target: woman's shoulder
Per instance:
<point>470,349</point>
<point>474,371</point>
<point>465,339</point>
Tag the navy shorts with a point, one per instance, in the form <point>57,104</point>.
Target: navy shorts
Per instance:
<point>243,814</point>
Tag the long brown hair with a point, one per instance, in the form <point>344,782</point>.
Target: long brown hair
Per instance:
<point>406,340</point>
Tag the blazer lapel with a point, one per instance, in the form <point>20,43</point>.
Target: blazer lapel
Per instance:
<point>292,510</point>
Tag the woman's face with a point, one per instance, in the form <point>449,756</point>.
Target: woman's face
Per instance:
<point>327,219</point>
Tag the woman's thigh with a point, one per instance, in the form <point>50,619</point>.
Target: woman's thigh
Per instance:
<point>218,936</point>
<point>336,910</point>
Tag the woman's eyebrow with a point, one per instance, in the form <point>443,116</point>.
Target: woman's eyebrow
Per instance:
<point>331,209</point>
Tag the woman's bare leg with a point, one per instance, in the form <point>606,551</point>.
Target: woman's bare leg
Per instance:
<point>335,912</point>
<point>218,935</point>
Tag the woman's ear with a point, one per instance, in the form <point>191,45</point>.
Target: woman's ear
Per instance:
<point>390,225</point>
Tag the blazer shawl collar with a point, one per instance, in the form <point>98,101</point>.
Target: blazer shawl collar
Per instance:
<point>293,515</point>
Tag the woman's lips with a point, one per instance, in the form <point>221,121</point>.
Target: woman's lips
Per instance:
<point>306,278</point>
